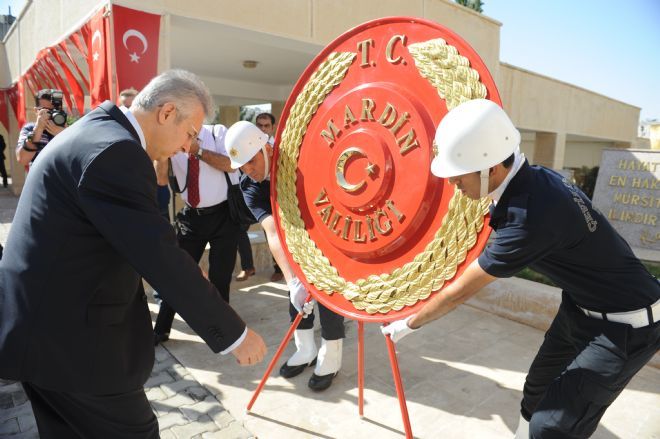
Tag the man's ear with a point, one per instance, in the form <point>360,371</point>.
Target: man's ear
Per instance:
<point>269,149</point>
<point>497,169</point>
<point>166,112</point>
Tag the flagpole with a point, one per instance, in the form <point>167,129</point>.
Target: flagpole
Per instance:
<point>110,52</point>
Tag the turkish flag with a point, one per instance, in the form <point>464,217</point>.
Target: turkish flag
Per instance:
<point>97,58</point>
<point>74,86</point>
<point>61,83</point>
<point>136,46</point>
<point>77,41</point>
<point>49,80</point>
<point>29,81</point>
<point>65,50</point>
<point>17,101</point>
<point>39,77</point>
<point>4,111</point>
<point>70,86</point>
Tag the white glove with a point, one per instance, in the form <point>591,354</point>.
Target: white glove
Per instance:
<point>298,294</point>
<point>398,329</point>
<point>308,308</point>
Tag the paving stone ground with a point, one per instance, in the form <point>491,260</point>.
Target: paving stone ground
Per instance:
<point>184,408</point>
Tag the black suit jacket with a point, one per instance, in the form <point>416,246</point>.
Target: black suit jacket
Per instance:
<point>73,313</point>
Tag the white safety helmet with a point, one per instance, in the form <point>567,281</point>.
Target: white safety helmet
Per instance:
<point>243,140</point>
<point>474,136</point>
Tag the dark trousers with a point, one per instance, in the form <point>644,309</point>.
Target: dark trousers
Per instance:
<point>245,250</point>
<point>580,369</point>
<point>74,415</point>
<point>194,231</point>
<point>332,325</point>
<point>3,171</point>
<point>163,196</point>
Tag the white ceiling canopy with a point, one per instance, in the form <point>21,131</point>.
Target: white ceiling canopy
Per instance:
<point>216,52</point>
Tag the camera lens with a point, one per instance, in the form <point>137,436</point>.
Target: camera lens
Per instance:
<point>58,118</point>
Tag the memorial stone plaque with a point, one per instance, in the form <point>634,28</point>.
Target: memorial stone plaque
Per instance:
<point>627,192</point>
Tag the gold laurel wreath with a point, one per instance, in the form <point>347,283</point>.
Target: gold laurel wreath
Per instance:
<point>456,82</point>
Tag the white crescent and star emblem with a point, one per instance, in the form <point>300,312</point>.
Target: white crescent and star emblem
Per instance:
<point>97,34</point>
<point>140,36</point>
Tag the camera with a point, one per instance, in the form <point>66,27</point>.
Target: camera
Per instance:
<point>57,114</point>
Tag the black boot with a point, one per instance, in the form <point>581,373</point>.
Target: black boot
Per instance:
<point>319,383</point>
<point>328,365</point>
<point>287,371</point>
<point>305,353</point>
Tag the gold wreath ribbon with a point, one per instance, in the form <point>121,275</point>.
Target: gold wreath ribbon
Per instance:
<point>455,82</point>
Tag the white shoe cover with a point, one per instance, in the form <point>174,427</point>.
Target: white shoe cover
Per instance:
<point>305,347</point>
<point>329,360</point>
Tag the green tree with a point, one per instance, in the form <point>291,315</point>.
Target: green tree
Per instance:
<point>476,5</point>
<point>585,179</point>
<point>248,113</point>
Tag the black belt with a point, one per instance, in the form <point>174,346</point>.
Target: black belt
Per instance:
<point>205,210</point>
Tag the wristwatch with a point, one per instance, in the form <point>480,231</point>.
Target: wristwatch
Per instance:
<point>198,154</point>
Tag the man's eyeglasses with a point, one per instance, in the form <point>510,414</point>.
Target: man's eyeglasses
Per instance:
<point>194,136</point>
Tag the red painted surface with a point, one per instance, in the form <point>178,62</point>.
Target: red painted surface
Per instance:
<point>403,178</point>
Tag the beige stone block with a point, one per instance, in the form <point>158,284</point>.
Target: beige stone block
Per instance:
<point>333,18</point>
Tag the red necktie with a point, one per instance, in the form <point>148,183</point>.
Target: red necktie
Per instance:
<point>193,180</point>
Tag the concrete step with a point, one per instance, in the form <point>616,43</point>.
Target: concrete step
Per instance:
<point>516,299</point>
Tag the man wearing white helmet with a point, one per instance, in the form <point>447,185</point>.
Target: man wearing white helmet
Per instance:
<point>607,326</point>
<point>250,150</point>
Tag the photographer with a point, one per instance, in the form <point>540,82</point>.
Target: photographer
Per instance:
<point>51,120</point>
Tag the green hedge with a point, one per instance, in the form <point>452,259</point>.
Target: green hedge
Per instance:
<point>529,274</point>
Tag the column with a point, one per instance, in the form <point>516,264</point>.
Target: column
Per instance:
<point>549,150</point>
<point>229,114</point>
<point>164,46</point>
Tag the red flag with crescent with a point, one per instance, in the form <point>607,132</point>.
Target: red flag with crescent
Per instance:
<point>75,88</point>
<point>36,77</point>
<point>46,81</point>
<point>76,40</point>
<point>81,75</point>
<point>4,111</point>
<point>63,85</point>
<point>97,58</point>
<point>17,101</point>
<point>31,84</point>
<point>136,46</point>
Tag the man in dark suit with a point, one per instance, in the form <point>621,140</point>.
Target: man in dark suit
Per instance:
<point>74,323</point>
<point>3,170</point>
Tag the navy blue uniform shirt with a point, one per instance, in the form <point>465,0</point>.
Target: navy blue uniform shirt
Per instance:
<point>545,223</point>
<point>257,197</point>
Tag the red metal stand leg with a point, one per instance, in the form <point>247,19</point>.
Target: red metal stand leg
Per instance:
<point>276,357</point>
<point>361,368</point>
<point>398,384</point>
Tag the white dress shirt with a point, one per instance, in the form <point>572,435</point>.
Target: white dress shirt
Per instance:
<point>212,183</point>
<point>519,159</point>
<point>135,124</point>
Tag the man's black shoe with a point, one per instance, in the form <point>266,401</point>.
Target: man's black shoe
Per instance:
<point>160,338</point>
<point>321,382</point>
<point>287,371</point>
